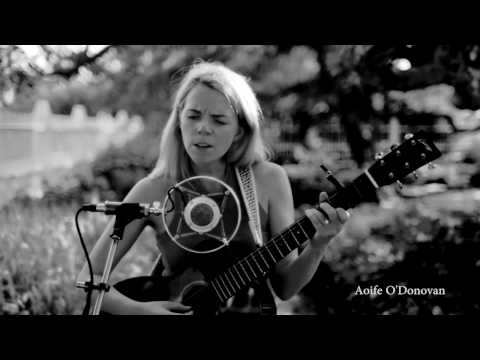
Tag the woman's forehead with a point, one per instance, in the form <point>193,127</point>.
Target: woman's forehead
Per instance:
<point>204,98</point>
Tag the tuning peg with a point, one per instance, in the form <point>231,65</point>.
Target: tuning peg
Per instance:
<point>378,155</point>
<point>399,184</point>
<point>393,147</point>
<point>408,136</point>
<point>431,166</point>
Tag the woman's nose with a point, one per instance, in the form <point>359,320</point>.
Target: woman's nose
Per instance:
<point>203,127</point>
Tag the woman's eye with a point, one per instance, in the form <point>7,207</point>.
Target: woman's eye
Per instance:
<point>220,122</point>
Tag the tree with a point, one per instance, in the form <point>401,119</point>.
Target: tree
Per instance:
<point>290,80</point>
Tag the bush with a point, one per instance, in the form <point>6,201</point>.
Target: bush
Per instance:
<point>121,168</point>
<point>416,248</point>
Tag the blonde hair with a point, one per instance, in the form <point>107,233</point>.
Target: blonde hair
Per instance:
<point>173,161</point>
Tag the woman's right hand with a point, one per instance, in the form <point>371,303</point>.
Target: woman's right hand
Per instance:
<point>165,308</point>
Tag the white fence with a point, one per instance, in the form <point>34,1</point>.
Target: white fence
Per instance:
<point>41,140</point>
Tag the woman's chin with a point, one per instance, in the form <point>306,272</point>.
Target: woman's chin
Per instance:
<point>205,158</point>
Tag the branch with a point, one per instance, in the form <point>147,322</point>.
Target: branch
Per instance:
<point>79,60</point>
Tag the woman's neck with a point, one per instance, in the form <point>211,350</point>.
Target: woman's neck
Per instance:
<point>216,170</point>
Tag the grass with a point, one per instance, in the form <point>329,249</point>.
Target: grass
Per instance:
<point>41,255</point>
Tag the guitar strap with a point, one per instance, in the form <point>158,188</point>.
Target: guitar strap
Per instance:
<point>248,188</point>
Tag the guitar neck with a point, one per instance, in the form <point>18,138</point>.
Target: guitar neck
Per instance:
<point>260,262</point>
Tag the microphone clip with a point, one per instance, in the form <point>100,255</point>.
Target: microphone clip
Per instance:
<point>87,285</point>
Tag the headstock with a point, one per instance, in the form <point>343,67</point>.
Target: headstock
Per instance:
<point>415,151</point>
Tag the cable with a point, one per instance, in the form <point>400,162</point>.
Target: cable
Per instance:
<point>89,286</point>
<point>169,193</point>
<point>88,289</point>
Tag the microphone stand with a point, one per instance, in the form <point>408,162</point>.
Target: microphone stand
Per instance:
<point>125,213</point>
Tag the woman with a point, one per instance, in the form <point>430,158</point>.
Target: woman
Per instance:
<point>213,127</point>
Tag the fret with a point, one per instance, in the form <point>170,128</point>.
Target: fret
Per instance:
<point>284,243</point>
<point>233,277</point>
<point>261,256</point>
<point>270,253</point>
<point>276,246</point>
<point>307,226</point>
<point>225,275</point>
<point>294,237</point>
<point>219,295</point>
<point>245,271</point>
<point>256,263</point>
<point>291,239</point>
<point>239,276</point>
<point>301,227</point>
<point>220,287</point>
<point>218,290</point>
<point>228,282</point>
<point>253,271</point>
<point>227,291</point>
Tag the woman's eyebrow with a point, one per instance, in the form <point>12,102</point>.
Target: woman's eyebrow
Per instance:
<point>216,115</point>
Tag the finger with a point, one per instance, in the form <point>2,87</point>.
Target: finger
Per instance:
<point>323,196</point>
<point>318,219</point>
<point>177,306</point>
<point>342,214</point>
<point>325,217</point>
<point>330,211</point>
<point>182,313</point>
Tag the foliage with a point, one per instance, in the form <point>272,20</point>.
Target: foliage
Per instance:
<point>308,84</point>
<point>121,168</point>
<point>415,248</point>
<point>41,256</point>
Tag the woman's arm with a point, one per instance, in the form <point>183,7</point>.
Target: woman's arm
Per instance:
<point>295,271</point>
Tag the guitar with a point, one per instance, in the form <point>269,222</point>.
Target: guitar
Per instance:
<point>207,296</point>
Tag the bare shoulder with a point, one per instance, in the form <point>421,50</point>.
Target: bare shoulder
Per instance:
<point>270,176</point>
<point>268,171</point>
<point>148,189</point>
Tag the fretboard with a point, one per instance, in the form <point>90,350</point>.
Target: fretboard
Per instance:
<point>261,261</point>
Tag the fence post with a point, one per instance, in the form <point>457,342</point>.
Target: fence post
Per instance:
<point>78,118</point>
<point>41,115</point>
<point>78,114</point>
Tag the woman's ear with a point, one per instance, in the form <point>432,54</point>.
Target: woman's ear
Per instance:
<point>239,134</point>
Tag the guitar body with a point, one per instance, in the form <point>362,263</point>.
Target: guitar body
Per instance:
<point>194,292</point>
<point>192,288</point>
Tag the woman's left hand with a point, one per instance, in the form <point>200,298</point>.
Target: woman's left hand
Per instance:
<point>326,228</point>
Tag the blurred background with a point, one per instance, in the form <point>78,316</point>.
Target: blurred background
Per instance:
<point>81,123</point>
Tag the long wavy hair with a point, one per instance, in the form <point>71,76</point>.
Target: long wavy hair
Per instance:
<point>173,161</point>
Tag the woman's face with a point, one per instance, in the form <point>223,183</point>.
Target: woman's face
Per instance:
<point>208,125</point>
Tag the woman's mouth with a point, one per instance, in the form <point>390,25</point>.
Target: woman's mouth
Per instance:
<point>202,145</point>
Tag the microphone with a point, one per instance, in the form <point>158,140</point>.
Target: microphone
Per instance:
<point>115,207</point>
